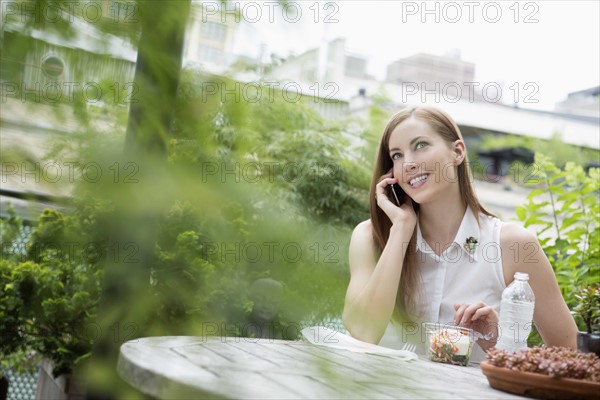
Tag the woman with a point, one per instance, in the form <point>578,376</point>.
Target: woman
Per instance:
<point>440,256</point>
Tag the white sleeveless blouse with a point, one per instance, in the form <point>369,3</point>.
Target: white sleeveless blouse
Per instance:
<point>458,275</point>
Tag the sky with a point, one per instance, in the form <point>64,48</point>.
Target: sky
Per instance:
<point>552,45</point>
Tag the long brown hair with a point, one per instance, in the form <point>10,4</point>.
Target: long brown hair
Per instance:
<point>443,125</point>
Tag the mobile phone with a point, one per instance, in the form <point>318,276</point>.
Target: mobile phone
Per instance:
<point>398,193</point>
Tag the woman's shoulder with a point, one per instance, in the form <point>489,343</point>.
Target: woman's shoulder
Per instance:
<point>520,249</point>
<point>362,236</point>
<point>506,232</point>
<point>363,230</point>
<point>365,225</point>
<point>512,233</point>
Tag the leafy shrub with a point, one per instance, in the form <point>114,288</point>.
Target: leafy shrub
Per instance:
<point>565,208</point>
<point>50,290</point>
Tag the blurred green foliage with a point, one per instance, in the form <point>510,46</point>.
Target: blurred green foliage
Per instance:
<point>250,190</point>
<point>168,244</point>
<point>281,175</point>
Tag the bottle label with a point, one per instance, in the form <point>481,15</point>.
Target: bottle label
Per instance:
<point>515,325</point>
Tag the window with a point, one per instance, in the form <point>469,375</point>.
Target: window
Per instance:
<point>214,30</point>
<point>208,53</point>
<point>53,66</point>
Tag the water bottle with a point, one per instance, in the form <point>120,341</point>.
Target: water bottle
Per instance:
<point>516,314</point>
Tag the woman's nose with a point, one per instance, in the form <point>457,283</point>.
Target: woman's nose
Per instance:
<point>409,166</point>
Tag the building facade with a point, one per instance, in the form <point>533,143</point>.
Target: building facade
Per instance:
<point>209,39</point>
<point>45,65</point>
<point>584,103</point>
<point>430,72</point>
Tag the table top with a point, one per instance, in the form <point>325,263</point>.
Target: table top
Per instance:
<point>233,367</point>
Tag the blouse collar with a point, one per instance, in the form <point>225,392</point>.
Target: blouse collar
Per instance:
<point>468,232</point>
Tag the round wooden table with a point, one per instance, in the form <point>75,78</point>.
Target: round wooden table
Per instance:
<point>243,368</point>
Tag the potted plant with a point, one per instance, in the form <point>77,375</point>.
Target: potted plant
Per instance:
<point>544,372</point>
<point>588,309</point>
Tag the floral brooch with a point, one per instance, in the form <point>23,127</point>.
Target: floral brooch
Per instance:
<point>470,244</point>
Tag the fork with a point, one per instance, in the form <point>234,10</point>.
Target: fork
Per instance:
<point>409,347</point>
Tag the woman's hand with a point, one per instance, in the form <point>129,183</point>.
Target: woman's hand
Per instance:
<point>481,318</point>
<point>405,214</point>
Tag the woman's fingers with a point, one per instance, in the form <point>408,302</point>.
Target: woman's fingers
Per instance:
<point>488,313</point>
<point>465,313</point>
<point>381,186</point>
<point>385,182</point>
<point>385,176</point>
<point>460,309</point>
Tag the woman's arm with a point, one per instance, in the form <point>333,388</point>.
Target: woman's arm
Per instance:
<point>371,294</point>
<point>521,252</point>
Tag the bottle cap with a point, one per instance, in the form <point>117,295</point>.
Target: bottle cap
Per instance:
<point>522,276</point>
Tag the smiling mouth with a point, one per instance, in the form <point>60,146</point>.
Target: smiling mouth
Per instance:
<point>418,181</point>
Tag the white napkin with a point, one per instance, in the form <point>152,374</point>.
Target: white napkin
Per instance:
<point>323,336</point>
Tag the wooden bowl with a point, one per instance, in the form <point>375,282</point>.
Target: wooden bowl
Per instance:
<point>539,385</point>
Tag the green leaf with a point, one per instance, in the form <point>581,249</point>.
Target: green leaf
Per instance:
<point>521,213</point>
<point>556,189</point>
<point>567,222</point>
<point>536,192</point>
<point>534,220</point>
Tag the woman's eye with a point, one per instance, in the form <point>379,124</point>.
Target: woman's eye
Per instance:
<point>396,156</point>
<point>420,145</point>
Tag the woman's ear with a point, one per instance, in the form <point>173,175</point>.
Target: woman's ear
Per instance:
<point>459,152</point>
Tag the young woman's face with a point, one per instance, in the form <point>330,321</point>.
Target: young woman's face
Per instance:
<point>424,163</point>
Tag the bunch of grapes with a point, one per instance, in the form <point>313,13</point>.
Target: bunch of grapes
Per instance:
<point>557,362</point>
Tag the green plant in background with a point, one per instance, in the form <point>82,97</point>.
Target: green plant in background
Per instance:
<point>588,308</point>
<point>166,226</point>
<point>559,152</point>
<point>565,208</point>
<point>291,180</point>
<point>50,286</point>
<point>297,215</point>
<point>285,148</point>
<point>379,114</point>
